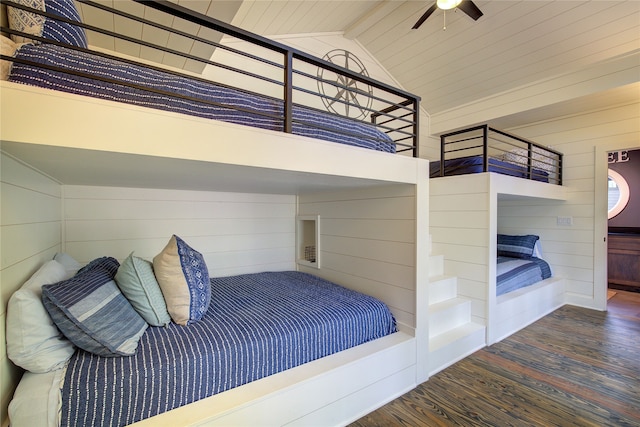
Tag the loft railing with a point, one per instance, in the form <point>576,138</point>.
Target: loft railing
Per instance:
<point>259,66</point>
<point>501,152</point>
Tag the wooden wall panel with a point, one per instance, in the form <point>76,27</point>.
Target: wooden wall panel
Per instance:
<point>368,243</point>
<point>30,230</point>
<point>578,252</point>
<point>235,232</point>
<point>460,218</point>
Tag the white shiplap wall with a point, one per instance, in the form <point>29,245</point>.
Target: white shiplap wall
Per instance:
<point>236,232</point>
<point>580,249</point>
<point>30,230</point>
<point>368,240</point>
<point>460,221</point>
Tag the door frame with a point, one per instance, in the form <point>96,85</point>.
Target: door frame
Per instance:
<point>601,221</point>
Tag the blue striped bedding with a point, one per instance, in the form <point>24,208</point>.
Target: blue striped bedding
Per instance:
<point>257,325</point>
<point>204,99</point>
<point>475,164</point>
<point>516,273</point>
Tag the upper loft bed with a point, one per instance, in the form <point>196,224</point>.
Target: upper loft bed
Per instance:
<point>485,149</point>
<point>279,115</point>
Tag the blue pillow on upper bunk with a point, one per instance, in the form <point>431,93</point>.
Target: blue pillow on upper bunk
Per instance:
<point>516,246</point>
<point>38,25</point>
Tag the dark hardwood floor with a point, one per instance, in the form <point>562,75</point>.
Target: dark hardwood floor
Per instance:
<point>574,367</point>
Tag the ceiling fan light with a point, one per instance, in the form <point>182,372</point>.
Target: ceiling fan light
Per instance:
<point>448,4</point>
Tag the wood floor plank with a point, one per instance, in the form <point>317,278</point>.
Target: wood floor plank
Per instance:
<point>574,367</point>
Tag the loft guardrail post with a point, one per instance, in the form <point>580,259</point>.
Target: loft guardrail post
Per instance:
<point>442,151</point>
<point>485,148</point>
<point>416,127</point>
<point>560,168</point>
<point>530,160</point>
<point>288,92</point>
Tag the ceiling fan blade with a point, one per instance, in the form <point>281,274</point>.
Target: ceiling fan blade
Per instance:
<point>425,16</point>
<point>468,7</point>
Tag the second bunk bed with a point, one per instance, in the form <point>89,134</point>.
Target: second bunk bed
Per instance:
<point>494,199</point>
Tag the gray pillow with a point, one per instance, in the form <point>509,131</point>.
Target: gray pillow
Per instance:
<point>137,282</point>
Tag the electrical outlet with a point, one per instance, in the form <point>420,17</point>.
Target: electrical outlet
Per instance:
<point>565,220</point>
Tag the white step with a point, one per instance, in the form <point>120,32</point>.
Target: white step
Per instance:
<point>442,288</point>
<point>447,315</point>
<point>436,265</point>
<point>450,347</point>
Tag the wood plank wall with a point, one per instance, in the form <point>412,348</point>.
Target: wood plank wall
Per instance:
<point>460,225</point>
<point>236,232</point>
<point>368,241</point>
<point>31,232</point>
<point>577,249</point>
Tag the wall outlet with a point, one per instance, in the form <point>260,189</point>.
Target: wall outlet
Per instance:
<point>565,220</point>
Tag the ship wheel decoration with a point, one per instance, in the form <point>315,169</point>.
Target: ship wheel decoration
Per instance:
<point>341,94</point>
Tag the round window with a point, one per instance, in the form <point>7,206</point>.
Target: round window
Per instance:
<point>618,193</point>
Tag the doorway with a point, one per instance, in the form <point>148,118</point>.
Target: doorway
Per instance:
<point>601,223</point>
<point>623,214</point>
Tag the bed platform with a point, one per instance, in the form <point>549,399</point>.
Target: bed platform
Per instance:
<point>68,138</point>
<point>257,325</point>
<point>485,149</point>
<point>467,212</point>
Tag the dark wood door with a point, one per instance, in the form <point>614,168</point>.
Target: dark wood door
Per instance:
<point>624,261</point>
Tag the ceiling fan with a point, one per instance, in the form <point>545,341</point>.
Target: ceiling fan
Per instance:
<point>467,6</point>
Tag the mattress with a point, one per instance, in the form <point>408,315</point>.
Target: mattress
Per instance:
<point>475,164</point>
<point>102,77</point>
<point>256,325</point>
<point>518,273</point>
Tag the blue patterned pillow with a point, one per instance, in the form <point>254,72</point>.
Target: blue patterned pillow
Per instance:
<point>516,246</point>
<point>184,280</point>
<point>31,23</point>
<point>92,313</point>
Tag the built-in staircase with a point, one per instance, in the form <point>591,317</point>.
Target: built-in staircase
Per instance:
<point>452,333</point>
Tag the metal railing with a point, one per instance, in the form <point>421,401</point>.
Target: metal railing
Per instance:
<point>259,67</point>
<point>499,152</point>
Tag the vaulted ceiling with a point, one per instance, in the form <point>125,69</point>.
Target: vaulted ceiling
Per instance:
<point>515,45</point>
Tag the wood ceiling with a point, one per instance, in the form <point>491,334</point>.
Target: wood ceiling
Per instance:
<point>514,45</point>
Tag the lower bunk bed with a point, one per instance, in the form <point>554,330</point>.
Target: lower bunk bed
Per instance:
<point>525,289</point>
<point>468,213</point>
<point>276,348</point>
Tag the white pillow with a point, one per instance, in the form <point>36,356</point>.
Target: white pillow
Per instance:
<point>33,341</point>
<point>69,263</point>
<point>36,400</point>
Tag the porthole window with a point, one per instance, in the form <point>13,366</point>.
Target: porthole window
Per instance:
<point>618,193</point>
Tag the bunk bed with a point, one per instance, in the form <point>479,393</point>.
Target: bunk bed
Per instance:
<point>485,149</point>
<point>485,186</point>
<point>252,139</point>
<point>255,325</point>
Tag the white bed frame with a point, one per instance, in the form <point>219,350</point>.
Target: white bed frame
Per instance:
<point>111,144</point>
<point>467,213</point>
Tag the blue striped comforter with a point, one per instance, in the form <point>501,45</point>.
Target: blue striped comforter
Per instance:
<point>516,273</point>
<point>256,325</point>
<point>203,99</point>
